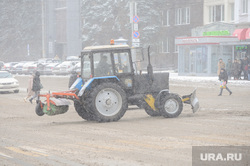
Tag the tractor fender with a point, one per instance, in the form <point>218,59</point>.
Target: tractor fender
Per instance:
<point>159,96</point>
<point>99,79</point>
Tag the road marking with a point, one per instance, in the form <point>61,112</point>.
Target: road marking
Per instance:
<point>4,155</point>
<point>40,151</point>
<point>25,152</point>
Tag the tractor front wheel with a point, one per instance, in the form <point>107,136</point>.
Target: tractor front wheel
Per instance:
<point>171,106</point>
<point>39,110</point>
<point>107,102</point>
<point>82,111</point>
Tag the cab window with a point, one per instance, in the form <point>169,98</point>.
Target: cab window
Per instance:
<point>102,64</point>
<point>122,62</point>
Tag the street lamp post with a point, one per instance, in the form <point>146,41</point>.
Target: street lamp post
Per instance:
<point>43,30</point>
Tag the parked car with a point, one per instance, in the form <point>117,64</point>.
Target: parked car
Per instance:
<point>64,68</point>
<point>1,65</point>
<point>29,67</point>
<point>17,69</point>
<point>8,66</point>
<point>8,83</point>
<point>49,68</point>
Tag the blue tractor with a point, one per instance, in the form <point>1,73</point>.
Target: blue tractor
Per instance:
<point>110,82</point>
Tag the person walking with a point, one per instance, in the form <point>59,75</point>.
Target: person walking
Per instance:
<point>240,61</point>
<point>36,87</point>
<point>248,71</point>
<point>229,68</point>
<point>245,68</point>
<point>30,92</point>
<point>223,77</point>
<point>221,65</point>
<point>235,69</point>
<point>72,78</point>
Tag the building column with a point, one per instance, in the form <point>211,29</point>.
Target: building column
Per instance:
<point>209,59</point>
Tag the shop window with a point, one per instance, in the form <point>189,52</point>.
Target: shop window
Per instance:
<point>244,6</point>
<point>216,13</point>
<point>165,18</point>
<point>182,16</point>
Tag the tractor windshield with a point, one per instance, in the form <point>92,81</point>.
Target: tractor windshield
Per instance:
<point>102,64</point>
<point>86,67</point>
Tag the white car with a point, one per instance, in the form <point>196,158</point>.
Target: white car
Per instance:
<point>29,67</point>
<point>49,67</point>
<point>64,68</point>
<point>8,83</point>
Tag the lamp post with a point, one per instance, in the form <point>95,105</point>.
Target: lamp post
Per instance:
<point>43,30</point>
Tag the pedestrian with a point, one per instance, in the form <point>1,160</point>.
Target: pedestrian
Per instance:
<point>72,78</point>
<point>36,87</point>
<point>30,92</point>
<point>221,65</point>
<point>229,68</point>
<point>235,69</point>
<point>245,68</point>
<point>240,61</point>
<point>223,77</point>
<point>248,71</point>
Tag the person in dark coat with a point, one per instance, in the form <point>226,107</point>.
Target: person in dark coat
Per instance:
<point>223,77</point>
<point>36,87</point>
<point>229,68</point>
<point>245,68</point>
<point>235,69</point>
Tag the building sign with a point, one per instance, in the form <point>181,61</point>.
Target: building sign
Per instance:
<point>238,48</point>
<point>217,33</point>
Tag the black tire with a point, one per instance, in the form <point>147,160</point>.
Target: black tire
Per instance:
<point>107,102</point>
<point>16,91</point>
<point>151,112</point>
<point>82,111</point>
<point>171,106</point>
<point>39,110</point>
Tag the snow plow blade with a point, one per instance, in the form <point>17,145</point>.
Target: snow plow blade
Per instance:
<point>192,100</point>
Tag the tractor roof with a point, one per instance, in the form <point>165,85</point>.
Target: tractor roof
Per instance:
<point>105,47</point>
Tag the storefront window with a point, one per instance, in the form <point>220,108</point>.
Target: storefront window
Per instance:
<point>193,59</point>
<point>241,51</point>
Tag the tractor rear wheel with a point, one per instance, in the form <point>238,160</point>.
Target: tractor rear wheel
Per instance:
<point>171,106</point>
<point>82,111</point>
<point>39,110</point>
<point>107,102</point>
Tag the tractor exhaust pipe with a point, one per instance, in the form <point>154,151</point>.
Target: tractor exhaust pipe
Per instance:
<point>150,68</point>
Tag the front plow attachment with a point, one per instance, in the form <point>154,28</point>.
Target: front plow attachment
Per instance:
<point>192,100</point>
<point>55,103</point>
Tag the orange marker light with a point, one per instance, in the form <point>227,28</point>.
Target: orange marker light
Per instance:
<point>112,42</point>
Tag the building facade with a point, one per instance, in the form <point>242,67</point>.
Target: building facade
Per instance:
<point>178,18</point>
<point>225,35</point>
<point>62,24</point>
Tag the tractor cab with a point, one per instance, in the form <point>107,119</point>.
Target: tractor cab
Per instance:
<point>108,61</point>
